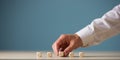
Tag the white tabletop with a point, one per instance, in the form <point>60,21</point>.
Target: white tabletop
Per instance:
<point>32,55</point>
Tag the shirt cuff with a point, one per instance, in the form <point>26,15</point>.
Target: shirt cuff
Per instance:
<point>87,36</point>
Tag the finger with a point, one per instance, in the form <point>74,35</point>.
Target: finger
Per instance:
<point>56,47</point>
<point>60,39</point>
<point>58,44</point>
<point>68,49</point>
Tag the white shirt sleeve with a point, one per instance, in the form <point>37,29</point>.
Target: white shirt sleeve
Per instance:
<point>102,28</point>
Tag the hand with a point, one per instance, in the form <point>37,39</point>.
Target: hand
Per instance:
<point>67,42</point>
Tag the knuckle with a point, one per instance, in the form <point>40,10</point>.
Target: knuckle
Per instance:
<point>56,44</point>
<point>63,36</point>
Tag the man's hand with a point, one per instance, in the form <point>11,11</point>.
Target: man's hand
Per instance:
<point>67,42</point>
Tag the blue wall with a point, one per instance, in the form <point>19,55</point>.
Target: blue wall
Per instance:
<point>36,24</point>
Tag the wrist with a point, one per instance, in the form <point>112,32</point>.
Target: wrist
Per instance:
<point>79,39</point>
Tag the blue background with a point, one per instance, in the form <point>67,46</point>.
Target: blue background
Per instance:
<point>36,24</point>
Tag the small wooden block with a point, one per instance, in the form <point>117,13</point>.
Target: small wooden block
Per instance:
<point>71,54</point>
<point>61,53</point>
<point>81,54</point>
<point>49,54</point>
<point>38,55</point>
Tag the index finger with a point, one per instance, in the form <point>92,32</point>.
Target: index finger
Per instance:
<point>57,44</point>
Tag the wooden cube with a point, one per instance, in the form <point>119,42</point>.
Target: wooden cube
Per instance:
<point>49,54</point>
<point>81,54</point>
<point>61,53</point>
<point>38,55</point>
<point>71,54</point>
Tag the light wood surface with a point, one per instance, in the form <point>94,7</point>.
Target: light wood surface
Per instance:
<point>32,55</point>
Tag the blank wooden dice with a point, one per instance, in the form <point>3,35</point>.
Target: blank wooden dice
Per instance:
<point>71,54</point>
<point>38,55</point>
<point>61,53</point>
<point>81,54</point>
<point>49,54</point>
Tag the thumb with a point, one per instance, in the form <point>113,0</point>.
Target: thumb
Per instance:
<point>68,49</point>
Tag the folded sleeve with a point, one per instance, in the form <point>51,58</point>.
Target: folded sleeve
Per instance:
<point>101,28</point>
